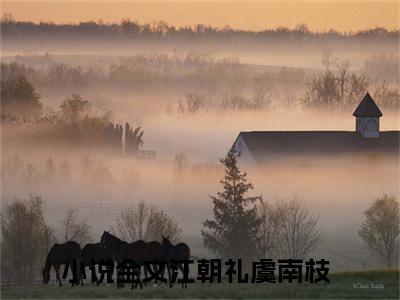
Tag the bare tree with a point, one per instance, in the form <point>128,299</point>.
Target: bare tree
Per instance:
<point>132,221</point>
<point>298,230</point>
<point>50,169</point>
<point>73,229</point>
<point>339,89</point>
<point>380,229</point>
<point>192,103</point>
<point>180,166</point>
<point>268,230</point>
<point>25,238</point>
<point>327,58</point>
<point>160,224</point>
<point>146,223</point>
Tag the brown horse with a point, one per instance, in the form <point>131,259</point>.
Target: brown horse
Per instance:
<point>174,255</point>
<point>95,253</point>
<point>61,254</point>
<point>123,251</point>
<point>154,252</point>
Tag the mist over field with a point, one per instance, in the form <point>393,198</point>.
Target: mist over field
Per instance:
<point>192,97</point>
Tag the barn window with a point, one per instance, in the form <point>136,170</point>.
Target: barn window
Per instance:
<point>372,126</point>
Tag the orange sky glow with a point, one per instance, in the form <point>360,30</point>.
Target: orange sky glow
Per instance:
<point>320,15</point>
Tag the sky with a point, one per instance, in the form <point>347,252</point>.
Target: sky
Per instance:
<point>319,15</point>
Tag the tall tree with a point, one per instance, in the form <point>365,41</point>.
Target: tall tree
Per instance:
<point>380,229</point>
<point>73,108</point>
<point>25,238</point>
<point>234,230</point>
<point>18,97</point>
<point>269,230</point>
<point>298,230</point>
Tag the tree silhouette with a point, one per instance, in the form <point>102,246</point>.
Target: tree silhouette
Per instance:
<point>147,223</point>
<point>18,97</point>
<point>133,139</point>
<point>380,229</point>
<point>233,232</point>
<point>74,229</point>
<point>338,89</point>
<point>73,108</point>
<point>298,231</point>
<point>25,238</point>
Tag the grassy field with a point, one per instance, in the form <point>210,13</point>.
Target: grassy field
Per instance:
<point>355,285</point>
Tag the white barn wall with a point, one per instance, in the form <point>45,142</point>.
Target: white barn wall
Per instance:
<point>245,160</point>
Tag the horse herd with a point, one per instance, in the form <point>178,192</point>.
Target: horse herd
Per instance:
<point>116,251</point>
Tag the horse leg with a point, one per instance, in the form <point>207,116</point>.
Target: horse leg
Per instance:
<point>162,273</point>
<point>119,283</point>
<point>155,268</point>
<point>145,273</point>
<point>138,274</point>
<point>95,276</point>
<point>112,270</point>
<point>180,266</point>
<point>82,267</point>
<point>57,268</point>
<point>169,275</point>
<point>135,283</point>
<point>79,275</point>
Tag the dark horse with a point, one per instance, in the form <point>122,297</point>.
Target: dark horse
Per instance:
<point>174,255</point>
<point>153,252</point>
<point>61,254</point>
<point>95,253</point>
<point>123,251</point>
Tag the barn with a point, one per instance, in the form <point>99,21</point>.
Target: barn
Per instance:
<point>256,148</point>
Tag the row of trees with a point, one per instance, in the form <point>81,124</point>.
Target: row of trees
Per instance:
<point>247,227</point>
<point>139,71</point>
<point>132,29</point>
<point>27,237</point>
<point>214,85</point>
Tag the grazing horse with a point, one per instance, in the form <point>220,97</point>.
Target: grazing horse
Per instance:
<point>61,254</point>
<point>95,253</point>
<point>122,251</point>
<point>173,255</point>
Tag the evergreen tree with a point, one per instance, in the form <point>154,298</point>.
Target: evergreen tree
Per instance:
<point>234,230</point>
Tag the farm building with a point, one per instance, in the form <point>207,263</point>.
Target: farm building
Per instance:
<point>256,148</point>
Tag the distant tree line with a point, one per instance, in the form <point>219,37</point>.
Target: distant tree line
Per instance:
<point>138,71</point>
<point>224,84</point>
<point>129,29</point>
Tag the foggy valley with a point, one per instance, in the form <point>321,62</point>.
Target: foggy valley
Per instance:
<point>192,97</point>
